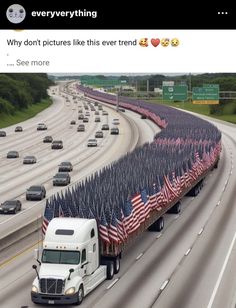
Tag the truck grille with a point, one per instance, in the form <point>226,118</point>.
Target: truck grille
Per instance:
<point>51,286</point>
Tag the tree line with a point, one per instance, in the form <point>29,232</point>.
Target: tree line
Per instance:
<point>20,90</point>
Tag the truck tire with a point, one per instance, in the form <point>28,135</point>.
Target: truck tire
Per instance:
<point>80,295</point>
<point>175,208</point>
<point>116,265</point>
<point>157,226</point>
<point>110,269</point>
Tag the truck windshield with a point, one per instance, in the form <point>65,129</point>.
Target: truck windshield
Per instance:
<point>60,257</point>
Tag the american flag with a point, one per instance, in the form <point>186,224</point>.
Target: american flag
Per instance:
<point>48,216</point>
<point>103,229</point>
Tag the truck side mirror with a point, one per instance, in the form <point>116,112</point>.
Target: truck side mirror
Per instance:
<point>37,253</point>
<point>71,270</point>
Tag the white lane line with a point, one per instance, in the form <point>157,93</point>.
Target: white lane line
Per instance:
<point>158,236</point>
<point>187,252</point>
<point>165,283</point>
<point>112,284</point>
<point>200,232</point>
<point>218,203</point>
<point>139,256</point>
<point>210,304</point>
<point>176,216</point>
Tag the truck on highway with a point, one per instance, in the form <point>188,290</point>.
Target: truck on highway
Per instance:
<point>71,265</point>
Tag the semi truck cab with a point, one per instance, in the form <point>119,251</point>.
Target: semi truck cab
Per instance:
<point>69,262</point>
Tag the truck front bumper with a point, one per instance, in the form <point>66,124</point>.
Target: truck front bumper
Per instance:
<point>51,299</point>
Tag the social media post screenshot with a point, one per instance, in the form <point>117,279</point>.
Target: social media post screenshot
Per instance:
<point>117,157</point>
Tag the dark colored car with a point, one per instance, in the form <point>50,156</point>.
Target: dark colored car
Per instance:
<point>143,116</point>
<point>87,114</point>
<point>122,109</point>
<point>65,166</point>
<point>85,120</point>
<point>61,178</point>
<point>99,134</point>
<point>72,122</point>
<point>57,144</point>
<point>10,206</point>
<point>3,133</point>
<point>80,111</point>
<point>100,107</point>
<point>12,154</point>
<point>18,129</point>
<point>96,113</point>
<point>104,112</point>
<point>81,128</point>
<point>105,127</point>
<point>97,119</point>
<point>47,139</point>
<point>37,192</point>
<point>29,160</point>
<point>41,126</point>
<point>114,131</point>
<point>80,117</point>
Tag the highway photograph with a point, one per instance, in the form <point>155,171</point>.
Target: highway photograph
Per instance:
<point>118,190</point>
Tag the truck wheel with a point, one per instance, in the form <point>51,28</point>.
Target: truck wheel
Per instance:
<point>159,224</point>
<point>116,265</point>
<point>110,270</point>
<point>175,209</point>
<point>80,295</point>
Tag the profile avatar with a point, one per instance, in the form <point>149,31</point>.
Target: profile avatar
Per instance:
<point>16,13</point>
<point>143,42</point>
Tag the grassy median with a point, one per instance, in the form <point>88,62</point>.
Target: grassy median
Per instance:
<point>19,116</point>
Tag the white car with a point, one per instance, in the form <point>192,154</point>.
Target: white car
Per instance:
<point>92,143</point>
<point>115,121</point>
<point>41,126</point>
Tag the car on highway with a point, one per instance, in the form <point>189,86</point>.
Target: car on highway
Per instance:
<point>96,113</point>
<point>42,126</point>
<point>65,166</point>
<point>114,131</point>
<point>122,109</point>
<point>61,178</point>
<point>99,134</point>
<point>47,139</point>
<point>80,111</point>
<point>92,143</point>
<point>105,127</point>
<point>85,120</point>
<point>115,121</point>
<point>12,154</point>
<point>92,109</point>
<point>143,116</point>
<point>81,128</point>
<point>18,129</point>
<point>57,144</point>
<point>87,114</point>
<point>97,119</point>
<point>10,207</point>
<point>3,133</point>
<point>104,112</point>
<point>73,122</point>
<point>36,192</point>
<point>85,107</point>
<point>81,117</point>
<point>100,107</point>
<point>29,160</point>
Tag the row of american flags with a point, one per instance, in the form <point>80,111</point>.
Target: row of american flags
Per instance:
<point>124,194</point>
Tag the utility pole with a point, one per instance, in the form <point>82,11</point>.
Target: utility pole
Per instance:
<point>190,87</point>
<point>148,88</point>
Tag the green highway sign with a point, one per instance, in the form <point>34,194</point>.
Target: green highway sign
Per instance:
<point>175,93</point>
<point>207,92</point>
<point>93,80</point>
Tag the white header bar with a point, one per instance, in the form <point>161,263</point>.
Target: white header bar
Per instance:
<point>117,51</point>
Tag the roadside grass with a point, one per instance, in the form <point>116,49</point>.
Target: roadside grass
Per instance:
<point>19,116</point>
<point>227,115</point>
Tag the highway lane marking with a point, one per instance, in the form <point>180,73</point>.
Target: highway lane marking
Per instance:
<point>158,236</point>
<point>187,252</point>
<point>10,260</point>
<point>139,256</point>
<point>200,232</point>
<point>112,284</point>
<point>210,304</point>
<point>165,283</point>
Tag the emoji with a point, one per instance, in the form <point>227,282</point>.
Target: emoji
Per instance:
<point>165,42</point>
<point>143,42</point>
<point>174,42</point>
<point>155,42</point>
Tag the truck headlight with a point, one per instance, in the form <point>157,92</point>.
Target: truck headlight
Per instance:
<point>34,289</point>
<point>70,291</point>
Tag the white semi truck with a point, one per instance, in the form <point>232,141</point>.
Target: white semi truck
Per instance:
<point>70,265</point>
